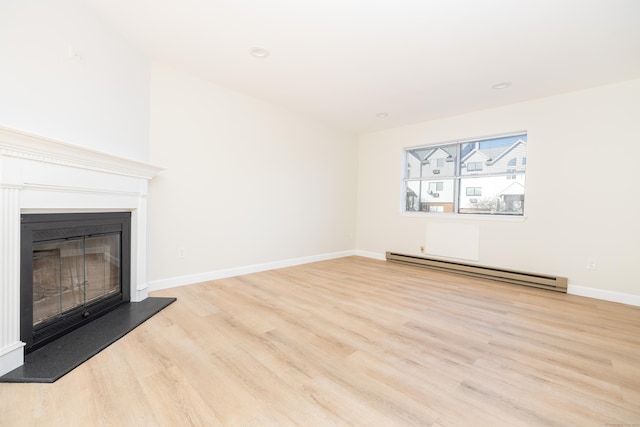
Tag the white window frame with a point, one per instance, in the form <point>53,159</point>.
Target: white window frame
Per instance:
<point>457,177</point>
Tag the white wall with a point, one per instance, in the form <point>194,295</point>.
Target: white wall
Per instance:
<point>246,182</point>
<point>272,185</point>
<point>100,102</point>
<point>582,197</point>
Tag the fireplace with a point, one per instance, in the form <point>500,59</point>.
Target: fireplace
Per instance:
<point>41,177</point>
<point>75,267</point>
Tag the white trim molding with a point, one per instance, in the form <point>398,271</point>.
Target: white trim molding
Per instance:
<point>373,255</point>
<point>41,175</point>
<point>604,295</point>
<point>28,146</point>
<point>191,279</point>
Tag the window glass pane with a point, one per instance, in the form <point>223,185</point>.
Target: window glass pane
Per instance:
<point>429,162</point>
<point>414,164</point>
<point>72,273</point>
<point>102,266</point>
<point>58,278</point>
<point>412,202</point>
<point>47,287</point>
<point>430,196</point>
<point>493,195</point>
<point>484,176</point>
<point>494,155</point>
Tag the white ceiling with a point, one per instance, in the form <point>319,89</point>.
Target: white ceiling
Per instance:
<point>344,61</point>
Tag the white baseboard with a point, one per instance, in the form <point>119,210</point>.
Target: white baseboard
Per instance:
<point>173,282</point>
<point>374,255</point>
<point>601,294</point>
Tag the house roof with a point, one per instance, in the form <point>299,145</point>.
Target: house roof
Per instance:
<point>495,149</point>
<point>491,149</point>
<point>513,188</point>
<point>425,153</point>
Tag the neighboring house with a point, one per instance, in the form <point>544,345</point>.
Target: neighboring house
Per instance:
<point>494,170</point>
<point>491,177</point>
<point>432,163</point>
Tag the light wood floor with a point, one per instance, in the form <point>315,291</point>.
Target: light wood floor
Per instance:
<point>360,342</point>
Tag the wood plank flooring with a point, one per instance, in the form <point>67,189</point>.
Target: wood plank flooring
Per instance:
<point>355,341</point>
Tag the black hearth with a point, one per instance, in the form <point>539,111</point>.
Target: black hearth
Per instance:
<point>75,267</point>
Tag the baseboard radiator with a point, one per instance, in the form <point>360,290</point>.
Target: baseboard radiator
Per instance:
<point>554,283</point>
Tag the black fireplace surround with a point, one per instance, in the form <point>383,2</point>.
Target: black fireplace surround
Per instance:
<point>82,270</point>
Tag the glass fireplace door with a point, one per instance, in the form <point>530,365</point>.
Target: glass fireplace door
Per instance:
<point>71,273</point>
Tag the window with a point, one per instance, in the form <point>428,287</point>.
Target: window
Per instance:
<point>474,191</point>
<point>435,186</point>
<point>474,166</point>
<point>479,176</point>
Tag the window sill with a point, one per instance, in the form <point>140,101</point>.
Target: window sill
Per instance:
<point>464,217</point>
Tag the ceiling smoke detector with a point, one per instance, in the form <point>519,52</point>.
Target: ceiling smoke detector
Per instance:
<point>501,85</point>
<point>258,52</point>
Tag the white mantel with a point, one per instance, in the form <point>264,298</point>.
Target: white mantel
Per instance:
<point>40,175</point>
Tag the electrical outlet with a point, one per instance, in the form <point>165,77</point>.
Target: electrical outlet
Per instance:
<point>182,253</point>
<point>75,55</point>
<point>591,264</point>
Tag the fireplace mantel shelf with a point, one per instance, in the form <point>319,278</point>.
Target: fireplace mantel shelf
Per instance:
<point>42,175</point>
<point>19,144</point>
